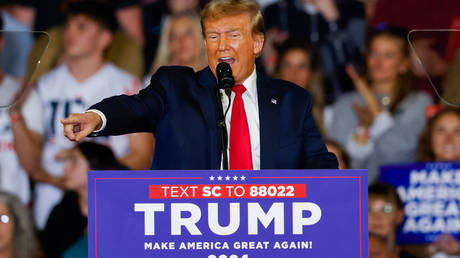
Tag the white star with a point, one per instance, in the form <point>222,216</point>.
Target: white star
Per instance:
<point>227,178</point>
<point>219,178</point>
<point>235,178</point>
<point>211,178</point>
<point>243,178</point>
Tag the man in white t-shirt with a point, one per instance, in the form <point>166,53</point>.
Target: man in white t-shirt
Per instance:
<point>84,79</point>
<point>19,125</point>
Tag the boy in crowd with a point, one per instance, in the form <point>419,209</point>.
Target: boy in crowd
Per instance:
<point>385,215</point>
<point>83,80</point>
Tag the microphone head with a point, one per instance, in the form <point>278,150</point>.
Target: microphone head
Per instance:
<point>223,68</point>
<point>225,78</point>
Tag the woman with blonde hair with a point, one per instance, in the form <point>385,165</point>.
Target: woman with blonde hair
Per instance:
<point>181,43</point>
<point>17,236</point>
<point>380,123</point>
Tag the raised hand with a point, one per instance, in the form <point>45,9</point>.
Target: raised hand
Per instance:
<point>78,126</point>
<point>364,90</point>
<point>365,118</point>
<point>270,55</point>
<point>40,175</point>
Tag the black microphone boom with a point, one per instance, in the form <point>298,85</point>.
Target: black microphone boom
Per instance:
<point>225,78</point>
<point>225,81</point>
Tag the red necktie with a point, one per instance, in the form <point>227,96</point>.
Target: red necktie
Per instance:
<point>240,142</point>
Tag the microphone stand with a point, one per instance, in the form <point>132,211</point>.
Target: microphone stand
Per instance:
<point>223,129</point>
<point>225,81</point>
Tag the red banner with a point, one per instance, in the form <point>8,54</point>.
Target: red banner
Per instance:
<point>227,191</point>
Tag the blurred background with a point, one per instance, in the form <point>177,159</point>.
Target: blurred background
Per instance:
<point>384,76</point>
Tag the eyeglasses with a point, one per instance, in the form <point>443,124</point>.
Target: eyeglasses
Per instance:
<point>4,218</point>
<point>387,208</point>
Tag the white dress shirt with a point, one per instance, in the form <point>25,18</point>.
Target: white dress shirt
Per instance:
<point>252,113</point>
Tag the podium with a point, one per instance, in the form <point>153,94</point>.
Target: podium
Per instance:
<point>228,214</point>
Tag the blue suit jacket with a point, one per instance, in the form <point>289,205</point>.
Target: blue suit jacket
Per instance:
<point>180,108</point>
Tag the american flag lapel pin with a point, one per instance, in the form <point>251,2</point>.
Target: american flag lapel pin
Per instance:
<point>274,101</point>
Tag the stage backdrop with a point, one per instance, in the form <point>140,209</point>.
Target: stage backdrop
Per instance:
<point>234,214</point>
<point>431,194</point>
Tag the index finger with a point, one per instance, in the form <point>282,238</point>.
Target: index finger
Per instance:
<point>351,71</point>
<point>71,120</point>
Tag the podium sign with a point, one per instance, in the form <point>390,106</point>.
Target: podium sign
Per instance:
<point>228,214</point>
<point>431,196</point>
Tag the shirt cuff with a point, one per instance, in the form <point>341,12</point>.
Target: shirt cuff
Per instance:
<point>381,124</point>
<point>358,151</point>
<point>103,118</point>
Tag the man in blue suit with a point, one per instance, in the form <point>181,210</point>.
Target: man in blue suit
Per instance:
<point>272,125</point>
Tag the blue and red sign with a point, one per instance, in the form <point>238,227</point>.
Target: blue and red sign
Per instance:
<point>431,196</point>
<point>234,214</point>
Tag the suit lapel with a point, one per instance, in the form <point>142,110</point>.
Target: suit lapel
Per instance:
<point>208,105</point>
<point>269,116</point>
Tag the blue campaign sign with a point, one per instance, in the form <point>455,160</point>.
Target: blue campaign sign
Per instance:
<point>228,214</point>
<point>430,193</point>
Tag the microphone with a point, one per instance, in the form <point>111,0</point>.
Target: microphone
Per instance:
<point>225,78</point>
<point>225,81</point>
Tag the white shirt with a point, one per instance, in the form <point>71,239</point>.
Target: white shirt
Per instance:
<point>61,94</point>
<point>252,113</point>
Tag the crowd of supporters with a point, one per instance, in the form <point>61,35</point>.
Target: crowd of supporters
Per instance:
<point>372,99</point>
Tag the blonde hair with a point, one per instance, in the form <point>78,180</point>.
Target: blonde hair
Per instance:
<point>404,84</point>
<point>217,9</point>
<point>24,241</point>
<point>163,55</point>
